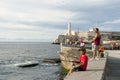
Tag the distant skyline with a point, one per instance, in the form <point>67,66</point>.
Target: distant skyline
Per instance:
<point>44,20</point>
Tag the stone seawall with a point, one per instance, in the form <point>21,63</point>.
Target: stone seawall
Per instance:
<point>95,71</point>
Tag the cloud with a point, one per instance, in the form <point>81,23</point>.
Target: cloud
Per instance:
<point>23,32</point>
<point>44,19</point>
<point>41,34</point>
<point>112,25</point>
<point>113,22</point>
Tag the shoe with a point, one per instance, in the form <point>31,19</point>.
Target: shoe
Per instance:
<point>91,59</point>
<point>97,58</point>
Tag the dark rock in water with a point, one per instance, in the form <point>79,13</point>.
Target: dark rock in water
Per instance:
<point>57,43</point>
<point>27,64</point>
<point>52,60</point>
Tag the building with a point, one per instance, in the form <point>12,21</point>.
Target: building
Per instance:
<point>69,29</point>
<point>89,35</point>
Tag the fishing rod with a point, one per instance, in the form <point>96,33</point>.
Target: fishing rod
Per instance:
<point>50,60</point>
<point>71,56</point>
<point>71,61</point>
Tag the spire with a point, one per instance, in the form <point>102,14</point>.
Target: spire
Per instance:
<point>69,28</point>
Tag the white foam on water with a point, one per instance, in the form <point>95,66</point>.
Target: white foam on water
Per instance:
<point>48,64</point>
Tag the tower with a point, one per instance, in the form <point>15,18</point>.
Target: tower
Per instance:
<point>69,29</point>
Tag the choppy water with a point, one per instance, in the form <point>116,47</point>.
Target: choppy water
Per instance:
<point>15,53</point>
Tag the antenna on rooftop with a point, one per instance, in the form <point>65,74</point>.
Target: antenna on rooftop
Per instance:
<point>78,29</point>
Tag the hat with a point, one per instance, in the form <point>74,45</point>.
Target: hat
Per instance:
<point>82,49</point>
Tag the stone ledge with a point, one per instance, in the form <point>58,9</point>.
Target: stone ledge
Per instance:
<point>95,71</point>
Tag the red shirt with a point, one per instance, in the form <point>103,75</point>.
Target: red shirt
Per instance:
<point>84,58</point>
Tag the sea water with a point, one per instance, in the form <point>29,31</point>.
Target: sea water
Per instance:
<point>14,53</point>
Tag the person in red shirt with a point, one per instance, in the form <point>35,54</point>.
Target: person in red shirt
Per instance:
<point>80,65</point>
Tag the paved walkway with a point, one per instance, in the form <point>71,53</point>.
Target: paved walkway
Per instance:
<point>95,71</point>
<point>113,66</point>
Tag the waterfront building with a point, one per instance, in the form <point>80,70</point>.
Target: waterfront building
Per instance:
<point>88,35</point>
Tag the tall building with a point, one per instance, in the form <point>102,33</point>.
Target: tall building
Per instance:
<point>69,29</point>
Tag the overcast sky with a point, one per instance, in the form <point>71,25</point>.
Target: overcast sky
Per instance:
<point>44,20</point>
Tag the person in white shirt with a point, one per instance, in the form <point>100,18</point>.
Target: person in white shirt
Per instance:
<point>82,44</point>
<point>92,46</point>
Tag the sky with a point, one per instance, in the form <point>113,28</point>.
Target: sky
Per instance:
<point>44,20</point>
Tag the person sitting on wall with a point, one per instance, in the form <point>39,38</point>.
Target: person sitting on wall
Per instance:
<point>101,51</point>
<point>117,46</point>
<point>75,44</point>
<point>70,41</point>
<point>80,65</point>
<point>111,46</point>
<point>82,44</point>
<point>67,42</point>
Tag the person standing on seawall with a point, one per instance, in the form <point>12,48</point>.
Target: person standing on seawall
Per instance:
<point>96,41</point>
